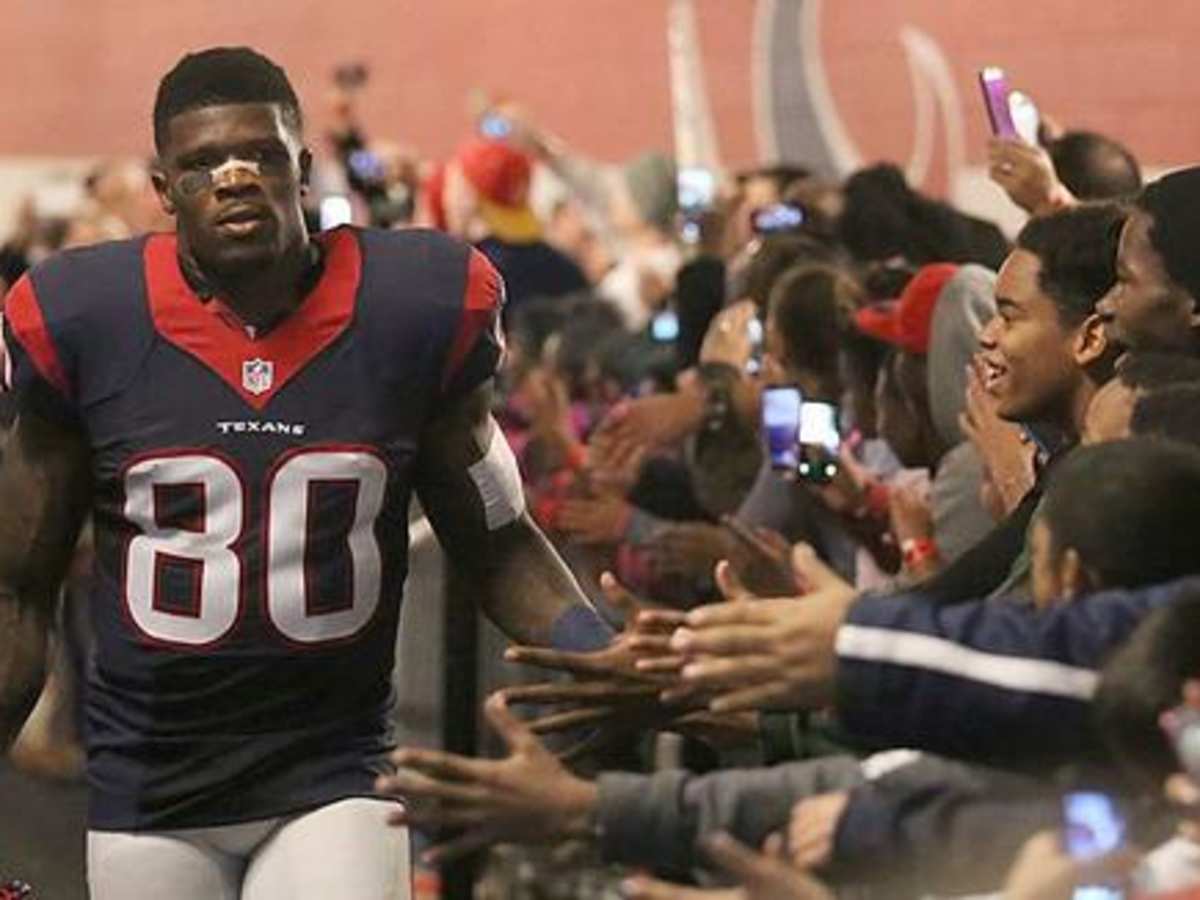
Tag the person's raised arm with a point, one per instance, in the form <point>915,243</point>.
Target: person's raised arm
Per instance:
<point>44,495</point>
<point>471,490</point>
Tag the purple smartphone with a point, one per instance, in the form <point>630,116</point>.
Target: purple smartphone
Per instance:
<point>995,97</point>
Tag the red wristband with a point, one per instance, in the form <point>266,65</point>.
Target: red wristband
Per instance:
<point>916,551</point>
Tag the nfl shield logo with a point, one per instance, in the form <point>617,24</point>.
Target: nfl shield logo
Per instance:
<point>257,375</point>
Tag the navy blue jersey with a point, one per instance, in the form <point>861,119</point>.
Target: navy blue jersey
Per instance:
<point>250,508</point>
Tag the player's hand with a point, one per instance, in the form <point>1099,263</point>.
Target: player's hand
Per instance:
<point>1044,870</point>
<point>616,687</point>
<point>1027,175</point>
<point>764,876</point>
<point>527,797</point>
<point>763,654</point>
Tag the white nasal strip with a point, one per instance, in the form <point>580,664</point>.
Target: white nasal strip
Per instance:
<point>499,483</point>
<point>227,168</point>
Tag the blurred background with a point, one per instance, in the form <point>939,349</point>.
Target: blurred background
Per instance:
<point>508,121</point>
<point>835,84</point>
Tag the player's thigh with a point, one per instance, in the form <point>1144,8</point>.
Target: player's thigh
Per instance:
<point>345,849</point>
<point>124,865</point>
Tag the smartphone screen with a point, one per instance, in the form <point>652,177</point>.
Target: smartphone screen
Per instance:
<point>818,426</point>
<point>366,166</point>
<point>336,211</point>
<point>1092,827</point>
<point>994,83</point>
<point>778,218</point>
<point>664,327</point>
<point>697,190</point>
<point>1026,119</point>
<point>781,424</point>
<point>819,442</point>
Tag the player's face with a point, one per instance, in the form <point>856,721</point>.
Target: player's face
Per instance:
<point>233,177</point>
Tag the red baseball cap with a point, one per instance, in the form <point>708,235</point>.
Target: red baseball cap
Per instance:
<point>497,170</point>
<point>907,321</point>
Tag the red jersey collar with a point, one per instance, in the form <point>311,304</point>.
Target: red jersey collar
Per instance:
<point>256,369</point>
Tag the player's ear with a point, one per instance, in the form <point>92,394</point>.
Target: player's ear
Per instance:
<point>162,187</point>
<point>306,161</point>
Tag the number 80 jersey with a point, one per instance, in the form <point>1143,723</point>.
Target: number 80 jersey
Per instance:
<point>250,508</point>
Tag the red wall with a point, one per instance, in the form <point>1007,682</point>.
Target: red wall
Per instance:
<point>80,76</point>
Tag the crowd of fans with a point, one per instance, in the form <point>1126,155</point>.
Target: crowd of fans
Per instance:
<point>896,657</point>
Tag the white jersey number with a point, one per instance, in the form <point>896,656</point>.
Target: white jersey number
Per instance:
<point>217,569</point>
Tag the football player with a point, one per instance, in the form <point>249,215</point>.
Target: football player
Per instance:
<point>245,410</point>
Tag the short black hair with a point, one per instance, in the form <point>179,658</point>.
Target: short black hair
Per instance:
<point>1129,509</point>
<point>219,76</point>
<point>811,306</point>
<point>1147,371</point>
<point>1077,249</point>
<point>1172,413</point>
<point>883,217</point>
<point>1173,202</point>
<point>1143,679</point>
<point>1094,167</point>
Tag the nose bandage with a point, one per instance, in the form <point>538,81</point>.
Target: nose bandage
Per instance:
<point>226,169</point>
<point>498,481</point>
<point>194,182</point>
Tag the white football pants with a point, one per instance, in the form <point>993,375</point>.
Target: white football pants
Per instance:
<point>344,849</point>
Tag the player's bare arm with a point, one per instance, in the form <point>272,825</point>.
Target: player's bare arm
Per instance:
<point>44,495</point>
<point>468,484</point>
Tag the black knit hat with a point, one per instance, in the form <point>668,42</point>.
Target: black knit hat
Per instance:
<point>1174,203</point>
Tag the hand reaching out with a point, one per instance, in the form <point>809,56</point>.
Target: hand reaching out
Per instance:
<point>529,796</point>
<point>765,654</point>
<point>612,690</point>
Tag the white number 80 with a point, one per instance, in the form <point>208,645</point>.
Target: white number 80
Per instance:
<point>210,548</point>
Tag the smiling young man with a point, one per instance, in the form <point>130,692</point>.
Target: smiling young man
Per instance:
<point>246,411</point>
<point>1045,352</point>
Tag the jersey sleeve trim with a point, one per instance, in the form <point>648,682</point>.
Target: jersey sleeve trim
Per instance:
<point>482,299</point>
<point>28,327</point>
